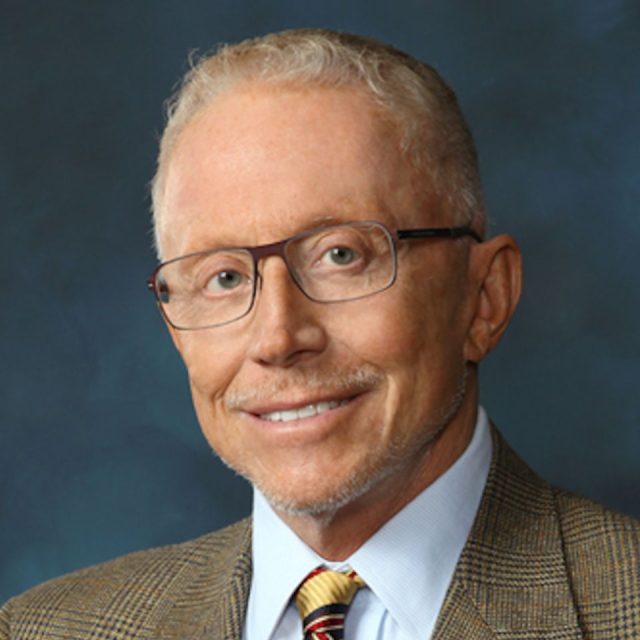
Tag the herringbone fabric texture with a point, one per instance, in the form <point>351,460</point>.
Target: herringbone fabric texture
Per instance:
<point>539,564</point>
<point>323,601</point>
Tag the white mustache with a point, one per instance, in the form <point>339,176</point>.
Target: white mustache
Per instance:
<point>361,379</point>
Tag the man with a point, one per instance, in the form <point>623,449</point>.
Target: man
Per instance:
<point>326,279</point>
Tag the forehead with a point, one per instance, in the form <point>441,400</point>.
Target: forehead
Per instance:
<point>261,163</point>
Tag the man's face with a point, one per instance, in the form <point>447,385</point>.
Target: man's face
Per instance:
<point>382,373</point>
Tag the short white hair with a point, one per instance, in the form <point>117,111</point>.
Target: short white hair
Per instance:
<point>433,133</point>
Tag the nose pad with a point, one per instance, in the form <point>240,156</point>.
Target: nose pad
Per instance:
<point>259,281</point>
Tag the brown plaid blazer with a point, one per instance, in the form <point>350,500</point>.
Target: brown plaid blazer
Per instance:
<point>539,563</point>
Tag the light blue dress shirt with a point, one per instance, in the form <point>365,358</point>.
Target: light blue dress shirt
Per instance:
<point>407,564</point>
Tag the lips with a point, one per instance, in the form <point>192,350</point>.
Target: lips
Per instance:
<point>306,411</point>
<point>302,395</point>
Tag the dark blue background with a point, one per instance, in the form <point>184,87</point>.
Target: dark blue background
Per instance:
<point>101,453</point>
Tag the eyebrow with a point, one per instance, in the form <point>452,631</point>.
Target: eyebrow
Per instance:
<point>316,221</point>
<point>324,220</point>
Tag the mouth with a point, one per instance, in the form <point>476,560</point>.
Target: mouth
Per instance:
<point>306,411</point>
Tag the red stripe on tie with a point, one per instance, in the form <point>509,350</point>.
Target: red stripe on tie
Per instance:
<point>324,624</point>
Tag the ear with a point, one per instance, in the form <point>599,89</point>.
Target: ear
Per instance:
<point>495,273</point>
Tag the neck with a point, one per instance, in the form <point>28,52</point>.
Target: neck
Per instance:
<point>335,536</point>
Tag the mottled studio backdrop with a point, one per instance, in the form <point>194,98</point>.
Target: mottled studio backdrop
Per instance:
<point>100,451</point>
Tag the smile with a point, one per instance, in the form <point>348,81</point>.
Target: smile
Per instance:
<point>307,411</point>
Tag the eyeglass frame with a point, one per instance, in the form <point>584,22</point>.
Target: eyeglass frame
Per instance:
<point>278,248</point>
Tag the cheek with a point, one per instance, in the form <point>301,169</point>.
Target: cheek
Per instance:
<point>415,338</point>
<point>212,368</point>
<point>393,329</point>
<point>211,363</point>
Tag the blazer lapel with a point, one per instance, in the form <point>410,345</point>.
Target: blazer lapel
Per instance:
<point>511,579</point>
<point>208,602</point>
<point>459,617</point>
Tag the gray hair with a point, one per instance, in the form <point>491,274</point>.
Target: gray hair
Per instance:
<point>433,133</point>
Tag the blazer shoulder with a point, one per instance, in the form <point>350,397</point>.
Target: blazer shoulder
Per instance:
<point>140,580</point>
<point>572,560</point>
<point>602,550</point>
<point>586,520</point>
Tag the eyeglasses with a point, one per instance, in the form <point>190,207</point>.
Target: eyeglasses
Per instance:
<point>328,264</point>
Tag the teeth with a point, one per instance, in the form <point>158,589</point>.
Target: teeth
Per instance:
<point>306,412</point>
<point>303,412</point>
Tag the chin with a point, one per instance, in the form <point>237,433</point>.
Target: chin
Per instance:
<point>321,500</point>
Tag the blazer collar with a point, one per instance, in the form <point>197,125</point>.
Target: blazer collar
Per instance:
<point>511,579</point>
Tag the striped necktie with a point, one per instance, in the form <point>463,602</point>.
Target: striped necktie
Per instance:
<point>323,600</point>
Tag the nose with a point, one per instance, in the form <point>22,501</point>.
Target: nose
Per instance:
<point>286,324</point>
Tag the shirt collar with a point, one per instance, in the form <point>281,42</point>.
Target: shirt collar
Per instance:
<point>280,562</point>
<point>429,533</point>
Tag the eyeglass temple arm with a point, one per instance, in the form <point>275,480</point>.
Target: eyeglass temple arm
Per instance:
<point>447,232</point>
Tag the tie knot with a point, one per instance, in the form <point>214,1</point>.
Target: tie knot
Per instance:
<point>323,600</point>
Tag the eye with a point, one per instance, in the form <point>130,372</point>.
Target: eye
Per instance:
<point>224,281</point>
<point>341,255</point>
